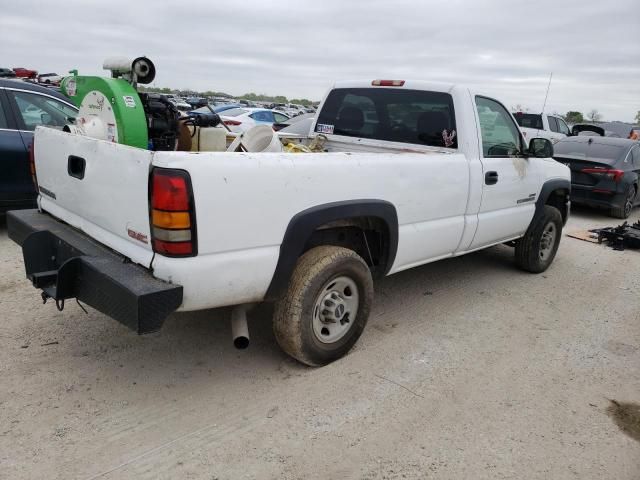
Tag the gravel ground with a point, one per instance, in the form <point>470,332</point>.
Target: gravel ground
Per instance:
<point>468,369</point>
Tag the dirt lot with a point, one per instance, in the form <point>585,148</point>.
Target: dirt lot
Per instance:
<point>468,369</point>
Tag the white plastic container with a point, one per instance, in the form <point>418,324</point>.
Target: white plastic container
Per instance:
<point>210,139</point>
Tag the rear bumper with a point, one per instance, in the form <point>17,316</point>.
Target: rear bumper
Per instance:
<point>585,195</point>
<point>64,263</point>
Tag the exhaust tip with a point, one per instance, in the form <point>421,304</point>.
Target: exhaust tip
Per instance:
<point>241,343</point>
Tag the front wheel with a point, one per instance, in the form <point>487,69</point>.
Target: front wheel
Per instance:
<point>326,307</point>
<point>537,249</point>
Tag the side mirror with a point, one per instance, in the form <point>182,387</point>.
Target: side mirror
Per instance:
<point>540,148</point>
<point>45,118</point>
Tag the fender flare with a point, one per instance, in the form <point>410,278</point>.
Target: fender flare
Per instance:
<point>304,223</point>
<point>551,186</point>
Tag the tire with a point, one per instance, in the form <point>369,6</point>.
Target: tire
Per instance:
<point>624,209</point>
<point>537,249</point>
<point>336,279</point>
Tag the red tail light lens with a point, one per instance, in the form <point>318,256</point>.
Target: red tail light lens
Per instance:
<point>614,174</point>
<point>231,123</point>
<point>172,215</point>
<point>169,191</point>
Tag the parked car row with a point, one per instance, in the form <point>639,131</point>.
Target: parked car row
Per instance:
<point>31,75</point>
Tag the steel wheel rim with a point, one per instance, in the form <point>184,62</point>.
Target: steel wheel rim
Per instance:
<point>548,240</point>
<point>335,309</point>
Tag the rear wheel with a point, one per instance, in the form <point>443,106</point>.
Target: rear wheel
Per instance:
<point>326,306</point>
<point>624,209</point>
<point>537,249</point>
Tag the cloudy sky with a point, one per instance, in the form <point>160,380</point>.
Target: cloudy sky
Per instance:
<point>296,48</point>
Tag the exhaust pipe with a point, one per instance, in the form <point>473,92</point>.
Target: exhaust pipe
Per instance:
<point>239,327</point>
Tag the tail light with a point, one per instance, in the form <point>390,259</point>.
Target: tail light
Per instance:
<point>387,83</point>
<point>173,219</point>
<point>231,123</point>
<point>615,175</point>
<point>32,164</point>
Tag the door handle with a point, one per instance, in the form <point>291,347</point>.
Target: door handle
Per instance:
<point>491,178</point>
<point>76,166</point>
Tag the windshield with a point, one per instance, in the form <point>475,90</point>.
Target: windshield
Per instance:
<point>397,115</point>
<point>529,120</point>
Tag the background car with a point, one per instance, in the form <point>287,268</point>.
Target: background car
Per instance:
<point>300,125</point>
<point>197,102</point>
<point>7,73</point>
<point>242,119</point>
<point>24,106</point>
<point>217,109</point>
<point>25,72</point>
<point>604,171</point>
<point>50,78</point>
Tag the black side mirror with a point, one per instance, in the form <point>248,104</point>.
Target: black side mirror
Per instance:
<point>540,148</point>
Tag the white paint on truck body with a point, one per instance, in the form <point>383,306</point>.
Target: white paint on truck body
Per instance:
<point>245,201</point>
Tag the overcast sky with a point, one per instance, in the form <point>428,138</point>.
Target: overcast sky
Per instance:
<point>297,48</point>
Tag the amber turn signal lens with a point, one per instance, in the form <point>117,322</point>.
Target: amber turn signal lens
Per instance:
<point>172,220</point>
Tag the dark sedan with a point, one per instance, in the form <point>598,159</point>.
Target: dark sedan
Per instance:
<point>24,106</point>
<point>604,172</point>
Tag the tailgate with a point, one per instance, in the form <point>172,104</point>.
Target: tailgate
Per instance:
<point>99,187</point>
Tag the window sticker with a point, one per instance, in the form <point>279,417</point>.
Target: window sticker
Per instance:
<point>324,128</point>
<point>448,137</point>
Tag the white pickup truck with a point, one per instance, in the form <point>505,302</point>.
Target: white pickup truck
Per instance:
<point>542,125</point>
<point>411,173</point>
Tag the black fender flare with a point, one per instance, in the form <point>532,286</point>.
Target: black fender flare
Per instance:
<point>304,223</point>
<point>551,186</point>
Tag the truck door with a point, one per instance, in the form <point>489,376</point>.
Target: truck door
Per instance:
<point>510,181</point>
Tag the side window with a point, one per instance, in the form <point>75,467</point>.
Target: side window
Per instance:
<point>3,117</point>
<point>261,117</point>
<point>35,110</point>
<point>500,135</point>
<point>553,124</point>
<point>280,118</point>
<point>562,127</point>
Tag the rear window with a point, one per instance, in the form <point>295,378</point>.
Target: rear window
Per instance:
<point>396,115</point>
<point>529,120</point>
<point>593,151</point>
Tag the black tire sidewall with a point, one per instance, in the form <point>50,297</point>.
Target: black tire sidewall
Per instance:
<point>528,247</point>
<point>322,353</point>
<point>546,220</point>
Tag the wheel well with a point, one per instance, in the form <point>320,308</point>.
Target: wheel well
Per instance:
<point>559,199</point>
<point>368,236</point>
